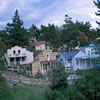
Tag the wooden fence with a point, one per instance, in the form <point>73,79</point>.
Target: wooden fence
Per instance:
<point>32,81</point>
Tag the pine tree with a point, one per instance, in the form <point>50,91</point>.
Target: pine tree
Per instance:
<point>18,35</point>
<point>98,12</point>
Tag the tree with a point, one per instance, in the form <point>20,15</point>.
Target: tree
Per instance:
<point>89,85</point>
<point>18,35</point>
<point>70,33</point>
<point>58,77</point>
<point>34,32</point>
<point>98,12</point>
<point>49,34</point>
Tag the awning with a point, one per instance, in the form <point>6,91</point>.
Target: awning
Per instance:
<point>48,61</point>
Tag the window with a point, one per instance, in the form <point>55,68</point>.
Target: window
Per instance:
<point>89,53</point>
<point>52,65</point>
<point>23,58</point>
<point>14,52</point>
<point>18,51</point>
<point>44,66</point>
<point>61,60</point>
<point>69,60</point>
<point>48,57</point>
<point>11,59</point>
<point>77,61</point>
<point>83,61</point>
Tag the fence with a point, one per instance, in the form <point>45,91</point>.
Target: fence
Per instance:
<point>32,81</point>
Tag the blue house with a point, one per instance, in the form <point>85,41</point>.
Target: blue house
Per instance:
<point>79,59</point>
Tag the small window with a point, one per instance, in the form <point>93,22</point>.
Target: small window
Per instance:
<point>61,60</point>
<point>44,66</point>
<point>14,52</point>
<point>89,53</point>
<point>77,61</point>
<point>18,51</point>
<point>83,61</point>
<point>23,58</point>
<point>48,57</point>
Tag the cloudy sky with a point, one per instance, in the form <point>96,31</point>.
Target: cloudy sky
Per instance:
<point>42,12</point>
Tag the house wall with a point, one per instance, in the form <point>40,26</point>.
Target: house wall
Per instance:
<point>62,60</point>
<point>74,64</point>
<point>49,53</point>
<point>36,66</point>
<point>90,51</point>
<point>41,47</point>
<point>23,53</point>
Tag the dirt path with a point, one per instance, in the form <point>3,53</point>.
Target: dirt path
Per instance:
<point>9,74</point>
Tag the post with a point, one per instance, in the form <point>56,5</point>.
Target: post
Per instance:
<point>20,78</point>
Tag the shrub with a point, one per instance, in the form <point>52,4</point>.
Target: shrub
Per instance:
<point>55,49</point>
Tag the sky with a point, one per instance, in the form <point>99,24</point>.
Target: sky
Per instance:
<point>42,12</point>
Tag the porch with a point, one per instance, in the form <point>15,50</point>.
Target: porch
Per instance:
<point>47,65</point>
<point>17,60</point>
<point>85,62</point>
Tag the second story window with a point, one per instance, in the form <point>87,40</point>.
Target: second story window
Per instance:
<point>89,53</point>
<point>14,52</point>
<point>48,57</point>
<point>18,51</point>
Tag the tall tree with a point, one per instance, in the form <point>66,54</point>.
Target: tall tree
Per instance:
<point>70,33</point>
<point>18,35</point>
<point>97,3</point>
<point>49,34</point>
<point>34,32</point>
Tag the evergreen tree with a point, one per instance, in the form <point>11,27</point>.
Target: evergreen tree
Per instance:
<point>98,12</point>
<point>18,35</point>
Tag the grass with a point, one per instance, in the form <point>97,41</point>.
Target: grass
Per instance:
<point>2,66</point>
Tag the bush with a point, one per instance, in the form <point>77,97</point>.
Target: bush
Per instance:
<point>54,95</point>
<point>2,66</point>
<point>39,75</point>
<point>58,77</point>
<point>55,49</point>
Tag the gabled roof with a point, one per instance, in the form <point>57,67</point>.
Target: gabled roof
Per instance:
<point>37,57</point>
<point>39,43</point>
<point>70,54</point>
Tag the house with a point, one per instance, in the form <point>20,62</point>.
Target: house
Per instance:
<point>44,62</point>
<point>18,55</point>
<point>79,59</point>
<point>89,50</point>
<point>40,45</point>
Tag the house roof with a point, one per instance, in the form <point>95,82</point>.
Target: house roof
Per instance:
<point>47,61</point>
<point>37,57</point>
<point>39,43</point>
<point>70,54</point>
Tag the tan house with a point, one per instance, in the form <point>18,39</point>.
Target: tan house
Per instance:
<point>43,62</point>
<point>40,45</point>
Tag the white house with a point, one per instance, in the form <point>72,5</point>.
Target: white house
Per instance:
<point>79,59</point>
<point>18,55</point>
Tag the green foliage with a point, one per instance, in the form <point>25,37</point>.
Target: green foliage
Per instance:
<point>18,35</point>
<point>39,76</point>
<point>49,34</point>
<point>2,65</point>
<point>54,95</point>
<point>34,32</point>
<point>89,85</point>
<point>55,50</point>
<point>97,3</point>
<point>3,48</point>
<point>58,77</point>
<point>5,91</point>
